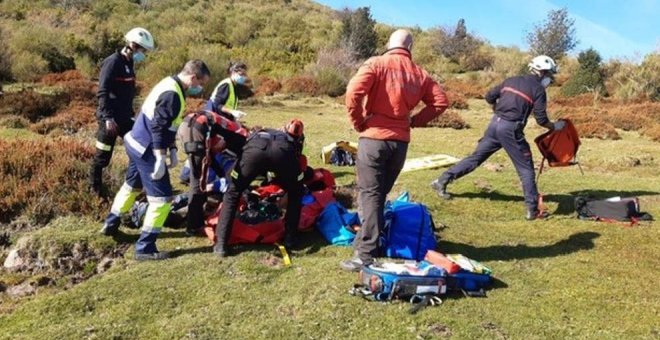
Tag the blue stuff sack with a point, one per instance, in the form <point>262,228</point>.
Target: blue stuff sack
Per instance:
<point>408,231</point>
<point>336,224</point>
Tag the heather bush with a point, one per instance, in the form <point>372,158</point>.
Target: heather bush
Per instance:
<point>31,104</point>
<point>304,84</point>
<point>45,178</point>
<point>266,86</point>
<point>449,119</point>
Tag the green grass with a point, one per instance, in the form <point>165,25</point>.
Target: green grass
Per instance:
<point>560,278</point>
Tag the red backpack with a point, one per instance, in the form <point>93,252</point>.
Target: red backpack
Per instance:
<point>559,147</point>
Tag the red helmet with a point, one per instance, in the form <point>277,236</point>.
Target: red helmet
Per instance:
<point>295,128</point>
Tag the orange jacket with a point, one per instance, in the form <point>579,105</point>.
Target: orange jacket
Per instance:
<point>393,85</point>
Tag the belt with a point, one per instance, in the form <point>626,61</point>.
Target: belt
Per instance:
<point>507,120</point>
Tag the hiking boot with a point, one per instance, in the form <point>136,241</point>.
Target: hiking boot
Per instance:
<point>152,256</point>
<point>354,264</point>
<point>440,187</point>
<point>535,214</point>
<point>109,229</point>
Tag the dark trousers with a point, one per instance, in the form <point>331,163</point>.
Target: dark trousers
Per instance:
<point>105,145</point>
<point>378,166</point>
<point>508,135</point>
<point>259,156</point>
<point>196,197</point>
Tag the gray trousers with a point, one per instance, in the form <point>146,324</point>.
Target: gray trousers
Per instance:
<point>379,163</point>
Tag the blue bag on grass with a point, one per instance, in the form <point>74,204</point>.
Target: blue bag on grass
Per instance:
<point>408,231</point>
<point>336,224</point>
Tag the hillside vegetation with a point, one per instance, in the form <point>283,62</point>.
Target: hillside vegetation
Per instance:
<point>560,278</point>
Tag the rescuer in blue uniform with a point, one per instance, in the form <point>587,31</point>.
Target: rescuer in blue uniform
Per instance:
<point>147,146</point>
<point>115,95</point>
<point>513,101</point>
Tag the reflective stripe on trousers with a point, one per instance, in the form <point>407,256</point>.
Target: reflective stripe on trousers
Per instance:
<point>124,199</point>
<point>157,212</point>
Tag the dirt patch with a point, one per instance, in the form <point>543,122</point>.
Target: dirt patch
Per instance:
<point>439,330</point>
<point>271,261</point>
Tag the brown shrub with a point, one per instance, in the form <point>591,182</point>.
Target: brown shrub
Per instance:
<point>597,129</point>
<point>45,178</point>
<point>449,119</point>
<point>31,104</point>
<point>457,101</point>
<point>471,89</point>
<point>267,86</point>
<point>653,132</point>
<point>76,86</point>
<point>78,115</point>
<point>66,76</point>
<point>304,84</point>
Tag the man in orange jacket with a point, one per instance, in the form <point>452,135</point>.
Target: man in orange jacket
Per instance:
<point>392,85</point>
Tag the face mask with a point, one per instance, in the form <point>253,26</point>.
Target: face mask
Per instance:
<point>138,57</point>
<point>545,81</point>
<point>194,90</point>
<point>239,79</point>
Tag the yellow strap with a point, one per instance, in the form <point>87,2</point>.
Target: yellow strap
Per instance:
<point>285,255</point>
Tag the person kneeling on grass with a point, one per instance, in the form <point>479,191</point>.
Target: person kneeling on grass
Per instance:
<point>267,150</point>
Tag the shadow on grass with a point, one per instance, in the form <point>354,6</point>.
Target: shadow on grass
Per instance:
<point>566,203</point>
<point>574,243</point>
<point>308,243</point>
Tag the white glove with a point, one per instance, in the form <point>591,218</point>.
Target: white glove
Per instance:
<point>159,166</point>
<point>174,158</point>
<point>238,114</point>
<point>558,125</point>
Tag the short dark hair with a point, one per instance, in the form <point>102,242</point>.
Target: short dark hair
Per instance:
<point>197,68</point>
<point>236,66</point>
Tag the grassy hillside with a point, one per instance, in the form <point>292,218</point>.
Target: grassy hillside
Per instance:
<point>561,278</point>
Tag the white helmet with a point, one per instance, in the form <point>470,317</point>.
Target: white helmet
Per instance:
<point>543,63</point>
<point>140,36</point>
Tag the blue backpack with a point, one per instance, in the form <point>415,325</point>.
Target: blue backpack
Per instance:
<point>420,283</point>
<point>336,224</point>
<point>408,231</point>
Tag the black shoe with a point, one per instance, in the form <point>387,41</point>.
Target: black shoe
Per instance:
<point>290,241</point>
<point>354,264</point>
<point>535,214</point>
<point>440,187</point>
<point>193,232</point>
<point>152,256</point>
<point>109,230</point>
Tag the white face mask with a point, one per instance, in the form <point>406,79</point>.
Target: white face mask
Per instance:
<point>546,81</point>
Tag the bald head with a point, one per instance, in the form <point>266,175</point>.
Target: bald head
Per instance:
<point>400,38</point>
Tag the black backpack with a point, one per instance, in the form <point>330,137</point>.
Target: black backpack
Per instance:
<point>612,209</point>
